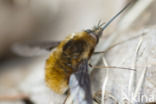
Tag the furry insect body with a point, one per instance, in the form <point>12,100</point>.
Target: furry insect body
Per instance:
<point>70,53</point>
<point>65,59</point>
<point>67,65</point>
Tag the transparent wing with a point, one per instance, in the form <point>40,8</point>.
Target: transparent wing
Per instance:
<point>30,49</point>
<point>79,84</point>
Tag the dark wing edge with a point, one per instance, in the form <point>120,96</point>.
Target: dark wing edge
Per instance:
<point>79,84</point>
<point>29,49</point>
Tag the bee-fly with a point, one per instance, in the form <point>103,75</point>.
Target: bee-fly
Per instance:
<point>67,66</point>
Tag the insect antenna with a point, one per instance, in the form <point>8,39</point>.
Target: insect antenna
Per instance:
<point>100,24</point>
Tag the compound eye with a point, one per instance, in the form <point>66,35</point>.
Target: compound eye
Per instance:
<point>90,32</point>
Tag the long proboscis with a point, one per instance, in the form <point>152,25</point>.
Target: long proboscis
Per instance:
<point>114,17</point>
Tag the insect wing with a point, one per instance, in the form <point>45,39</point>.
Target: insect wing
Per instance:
<point>79,84</point>
<point>30,49</point>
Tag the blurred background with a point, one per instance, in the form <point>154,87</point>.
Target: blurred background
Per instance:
<point>48,20</point>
